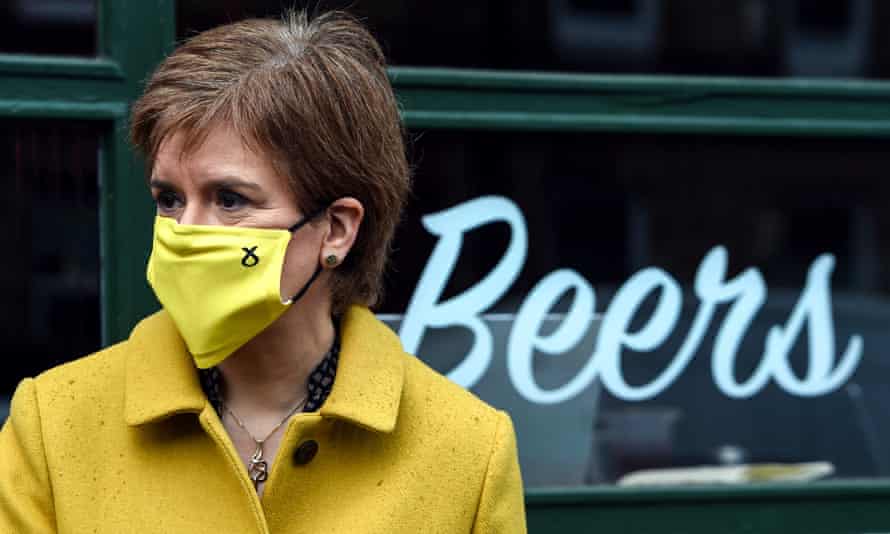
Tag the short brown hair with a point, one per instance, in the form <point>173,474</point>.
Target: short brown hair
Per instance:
<point>311,94</point>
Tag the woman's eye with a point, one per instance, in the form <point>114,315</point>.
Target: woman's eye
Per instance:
<point>167,201</point>
<point>230,200</point>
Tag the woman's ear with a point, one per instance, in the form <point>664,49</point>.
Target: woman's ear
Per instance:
<point>344,216</point>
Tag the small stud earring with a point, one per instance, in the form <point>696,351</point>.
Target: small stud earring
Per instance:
<point>331,260</point>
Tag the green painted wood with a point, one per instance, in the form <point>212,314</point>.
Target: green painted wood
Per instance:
<point>126,214</point>
<point>647,123</point>
<point>829,489</point>
<point>454,99</point>
<point>63,97</point>
<point>822,508</point>
<point>413,77</point>
<point>137,35</point>
<point>46,68</point>
<point>49,109</point>
<point>105,10</point>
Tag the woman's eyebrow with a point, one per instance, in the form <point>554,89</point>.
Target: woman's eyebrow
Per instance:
<point>224,181</point>
<point>160,184</point>
<point>234,181</point>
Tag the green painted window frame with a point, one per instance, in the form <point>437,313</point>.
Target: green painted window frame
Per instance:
<point>460,99</point>
<point>134,36</point>
<point>434,98</point>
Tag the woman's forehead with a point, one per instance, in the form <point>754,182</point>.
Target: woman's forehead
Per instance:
<point>220,151</point>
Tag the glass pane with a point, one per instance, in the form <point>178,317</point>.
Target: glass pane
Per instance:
<point>731,37</point>
<point>741,289</point>
<point>50,274</point>
<point>58,27</point>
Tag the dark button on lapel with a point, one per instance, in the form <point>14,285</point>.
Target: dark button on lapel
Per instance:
<point>306,452</point>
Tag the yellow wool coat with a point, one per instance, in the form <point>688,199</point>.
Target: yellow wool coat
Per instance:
<point>125,441</point>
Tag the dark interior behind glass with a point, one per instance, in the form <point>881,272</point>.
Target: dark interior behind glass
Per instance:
<point>57,27</point>
<point>608,205</point>
<point>50,273</point>
<point>774,38</point>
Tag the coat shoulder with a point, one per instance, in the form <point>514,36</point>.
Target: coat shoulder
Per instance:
<point>103,369</point>
<point>445,406</point>
<point>468,446</point>
<point>78,397</point>
<point>102,373</point>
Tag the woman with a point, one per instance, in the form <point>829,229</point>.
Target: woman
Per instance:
<point>264,397</point>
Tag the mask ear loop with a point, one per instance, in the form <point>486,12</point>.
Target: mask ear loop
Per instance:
<point>299,224</point>
<point>306,287</point>
<point>305,220</point>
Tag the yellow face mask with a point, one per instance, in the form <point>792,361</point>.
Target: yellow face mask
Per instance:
<point>221,285</point>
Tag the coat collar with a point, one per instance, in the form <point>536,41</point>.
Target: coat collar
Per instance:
<point>370,373</point>
<point>162,379</point>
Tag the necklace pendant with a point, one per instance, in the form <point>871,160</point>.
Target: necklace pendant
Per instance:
<point>258,468</point>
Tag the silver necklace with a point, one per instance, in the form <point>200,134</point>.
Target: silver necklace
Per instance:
<point>258,467</point>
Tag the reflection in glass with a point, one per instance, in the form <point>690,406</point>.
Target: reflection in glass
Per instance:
<point>731,37</point>
<point>58,27</point>
<point>790,217</point>
<point>50,243</point>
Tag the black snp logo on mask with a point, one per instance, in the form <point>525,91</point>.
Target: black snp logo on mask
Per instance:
<point>250,259</point>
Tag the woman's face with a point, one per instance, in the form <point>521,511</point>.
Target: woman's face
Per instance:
<point>222,182</point>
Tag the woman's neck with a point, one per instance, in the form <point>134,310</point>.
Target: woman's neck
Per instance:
<point>268,375</point>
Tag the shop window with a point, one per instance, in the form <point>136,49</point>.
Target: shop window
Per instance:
<point>58,27</point>
<point>764,260</point>
<point>788,38</point>
<point>50,274</point>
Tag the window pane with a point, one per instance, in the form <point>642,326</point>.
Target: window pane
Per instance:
<point>58,27</point>
<point>731,37</point>
<point>50,274</point>
<point>699,254</point>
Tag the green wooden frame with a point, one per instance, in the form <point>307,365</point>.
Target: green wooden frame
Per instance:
<point>529,101</point>
<point>133,36</point>
<point>848,507</point>
<point>449,98</point>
